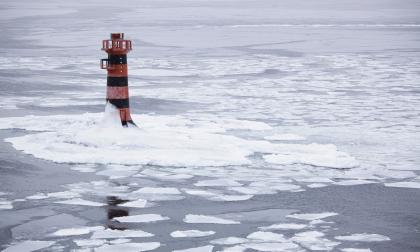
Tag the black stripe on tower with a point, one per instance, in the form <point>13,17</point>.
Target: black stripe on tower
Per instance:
<point>120,103</point>
<point>117,81</point>
<point>117,59</point>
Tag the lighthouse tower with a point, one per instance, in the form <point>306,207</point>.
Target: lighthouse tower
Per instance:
<point>117,81</point>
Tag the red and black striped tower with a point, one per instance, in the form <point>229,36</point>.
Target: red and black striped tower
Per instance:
<point>117,81</point>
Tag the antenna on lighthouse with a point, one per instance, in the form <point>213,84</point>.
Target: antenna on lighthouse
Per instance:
<point>117,80</point>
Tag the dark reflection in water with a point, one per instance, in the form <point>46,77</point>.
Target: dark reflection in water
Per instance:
<point>113,211</point>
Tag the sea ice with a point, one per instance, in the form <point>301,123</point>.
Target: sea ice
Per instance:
<point>355,250</point>
<point>114,233</point>
<point>284,226</point>
<point>229,241</point>
<point>193,218</point>
<point>82,202</point>
<point>120,241</point>
<point>207,248</point>
<point>266,236</point>
<point>129,247</point>
<point>141,218</point>
<point>218,182</point>
<point>158,190</point>
<point>5,204</point>
<point>76,231</point>
<point>87,138</point>
<point>364,237</point>
<point>314,240</point>
<point>191,233</point>
<point>89,242</point>
<point>353,182</point>
<point>312,216</point>
<point>139,203</point>
<point>285,137</point>
<point>406,184</point>
<point>28,246</point>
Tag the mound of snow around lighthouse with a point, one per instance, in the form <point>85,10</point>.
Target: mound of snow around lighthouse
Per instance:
<point>159,140</point>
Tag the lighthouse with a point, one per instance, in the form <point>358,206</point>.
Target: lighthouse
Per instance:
<point>117,80</point>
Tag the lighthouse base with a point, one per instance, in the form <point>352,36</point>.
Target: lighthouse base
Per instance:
<point>117,116</point>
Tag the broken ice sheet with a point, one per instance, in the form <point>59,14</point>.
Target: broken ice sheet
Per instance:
<point>128,247</point>
<point>191,233</point>
<point>76,231</point>
<point>363,237</point>
<point>28,246</point>
<point>312,216</point>
<point>196,218</point>
<point>142,218</point>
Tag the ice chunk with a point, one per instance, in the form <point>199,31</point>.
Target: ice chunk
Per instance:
<point>406,184</point>
<point>140,203</point>
<point>284,226</point>
<point>207,248</point>
<point>311,216</point>
<point>272,246</point>
<point>28,246</point>
<point>129,247</point>
<point>5,204</point>
<point>120,241</point>
<point>266,236</point>
<point>76,231</point>
<point>364,237</point>
<point>355,250</point>
<point>316,185</point>
<point>89,242</point>
<point>193,218</point>
<point>218,182</point>
<point>314,240</point>
<point>353,182</point>
<point>312,154</point>
<point>191,233</point>
<point>79,201</point>
<point>229,241</point>
<point>114,233</point>
<point>142,218</point>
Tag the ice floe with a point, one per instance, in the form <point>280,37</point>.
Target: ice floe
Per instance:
<point>364,237</point>
<point>81,202</point>
<point>76,231</point>
<point>139,203</point>
<point>5,204</point>
<point>115,233</point>
<point>229,241</point>
<point>142,218</point>
<point>284,226</point>
<point>404,184</point>
<point>314,240</point>
<point>88,139</point>
<point>312,216</point>
<point>218,182</point>
<point>128,247</point>
<point>207,248</point>
<point>194,218</point>
<point>28,246</point>
<point>191,233</point>
<point>356,250</point>
<point>89,242</point>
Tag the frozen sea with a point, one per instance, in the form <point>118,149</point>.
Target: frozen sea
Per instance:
<point>263,126</point>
